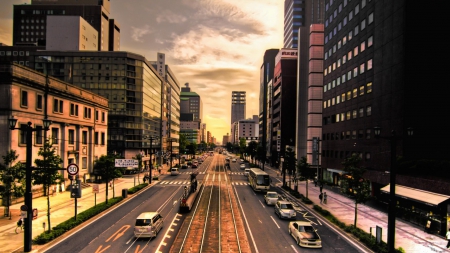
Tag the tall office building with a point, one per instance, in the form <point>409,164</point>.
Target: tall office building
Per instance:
<point>376,75</point>
<point>309,52</point>
<point>191,110</point>
<point>266,75</point>
<point>293,19</point>
<point>30,22</point>
<point>237,105</point>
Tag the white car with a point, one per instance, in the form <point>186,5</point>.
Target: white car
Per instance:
<point>271,198</point>
<point>234,160</point>
<point>304,234</point>
<point>285,210</point>
<point>246,172</point>
<point>242,166</point>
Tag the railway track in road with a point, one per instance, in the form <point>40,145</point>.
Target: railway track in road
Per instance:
<point>215,224</point>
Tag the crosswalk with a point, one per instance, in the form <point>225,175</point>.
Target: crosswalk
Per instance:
<point>185,182</point>
<point>202,173</point>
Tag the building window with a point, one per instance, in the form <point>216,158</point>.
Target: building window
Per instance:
<point>367,155</point>
<point>55,136</point>
<point>103,116</point>
<point>84,137</point>
<point>370,19</point>
<point>24,99</point>
<point>363,24</point>
<point>96,138</point>
<point>344,59</point>
<point>368,131</point>
<point>350,36</point>
<point>355,51</point>
<point>361,112</point>
<point>361,90</point>
<point>357,9</point>
<point>23,134</point>
<point>84,163</point>
<point>73,110</point>
<point>362,46</point>
<point>344,40</point>
<point>57,106</point>
<point>349,75</point>
<point>369,87</point>
<point>349,55</point>
<point>349,114</point>
<point>361,68</point>
<point>96,115</point>
<point>369,110</point>
<point>39,102</point>
<point>343,97</point>
<point>354,134</point>
<point>349,95</point>
<point>71,136</point>
<point>369,64</point>
<point>355,114</point>
<point>102,141</point>
<point>355,93</point>
<point>356,30</point>
<point>87,113</point>
<point>355,72</point>
<point>370,41</point>
<point>347,135</point>
<point>342,118</point>
<point>343,78</point>
<point>338,99</point>
<point>39,137</point>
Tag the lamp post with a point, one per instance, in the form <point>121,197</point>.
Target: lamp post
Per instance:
<point>28,190</point>
<point>392,175</point>
<point>171,151</point>
<point>151,138</point>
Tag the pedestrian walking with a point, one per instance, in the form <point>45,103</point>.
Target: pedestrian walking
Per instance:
<point>321,187</point>
<point>325,197</point>
<point>448,239</point>
<point>321,197</point>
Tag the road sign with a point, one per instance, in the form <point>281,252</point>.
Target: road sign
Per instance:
<point>72,169</point>
<point>23,208</point>
<point>95,188</point>
<point>126,163</point>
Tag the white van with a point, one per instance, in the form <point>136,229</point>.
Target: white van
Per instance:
<point>174,171</point>
<point>148,224</point>
<point>246,172</point>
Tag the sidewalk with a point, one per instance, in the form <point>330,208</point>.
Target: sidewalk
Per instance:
<point>62,208</point>
<point>411,238</point>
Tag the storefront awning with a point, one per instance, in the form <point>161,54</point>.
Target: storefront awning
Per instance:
<point>340,172</point>
<point>426,197</point>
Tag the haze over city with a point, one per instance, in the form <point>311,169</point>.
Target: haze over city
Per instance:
<point>216,46</point>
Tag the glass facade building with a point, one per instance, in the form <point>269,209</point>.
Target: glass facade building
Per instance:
<point>131,85</point>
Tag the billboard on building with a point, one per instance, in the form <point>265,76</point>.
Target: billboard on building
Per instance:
<point>286,53</point>
<point>161,64</point>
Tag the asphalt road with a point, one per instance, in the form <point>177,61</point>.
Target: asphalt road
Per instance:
<point>113,231</point>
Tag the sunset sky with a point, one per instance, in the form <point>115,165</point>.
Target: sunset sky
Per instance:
<point>216,46</point>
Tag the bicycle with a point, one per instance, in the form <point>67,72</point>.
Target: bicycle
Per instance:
<point>20,226</point>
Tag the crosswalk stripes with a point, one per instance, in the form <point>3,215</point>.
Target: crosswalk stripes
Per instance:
<point>187,183</point>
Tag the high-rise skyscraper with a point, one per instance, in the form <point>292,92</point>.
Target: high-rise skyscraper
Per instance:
<point>293,19</point>
<point>237,105</point>
<point>30,22</point>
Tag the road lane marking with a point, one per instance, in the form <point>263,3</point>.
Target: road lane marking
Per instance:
<point>293,247</point>
<point>274,221</point>
<point>100,251</point>
<point>166,235</point>
<point>117,235</point>
<point>264,206</point>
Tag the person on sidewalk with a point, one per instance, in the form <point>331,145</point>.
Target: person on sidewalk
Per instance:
<point>321,197</point>
<point>448,239</point>
<point>325,197</point>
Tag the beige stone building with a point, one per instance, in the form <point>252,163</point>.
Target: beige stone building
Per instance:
<point>79,118</point>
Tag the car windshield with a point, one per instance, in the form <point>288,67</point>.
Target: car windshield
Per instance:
<point>287,206</point>
<point>308,229</point>
<point>272,195</point>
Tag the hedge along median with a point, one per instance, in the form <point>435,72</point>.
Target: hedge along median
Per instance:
<point>363,237</point>
<point>71,223</point>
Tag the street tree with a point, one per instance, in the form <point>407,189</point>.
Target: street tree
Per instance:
<point>47,172</point>
<point>12,174</point>
<point>353,183</point>
<point>304,170</point>
<point>288,164</point>
<point>105,167</point>
<point>242,145</point>
<point>251,150</point>
<point>183,144</point>
<point>261,155</point>
<point>229,146</point>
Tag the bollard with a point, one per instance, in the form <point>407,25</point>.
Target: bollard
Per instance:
<point>43,226</point>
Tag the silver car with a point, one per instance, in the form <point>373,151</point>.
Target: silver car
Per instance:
<point>285,210</point>
<point>271,198</point>
<point>304,234</point>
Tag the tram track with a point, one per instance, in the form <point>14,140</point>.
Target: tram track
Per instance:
<point>215,225</point>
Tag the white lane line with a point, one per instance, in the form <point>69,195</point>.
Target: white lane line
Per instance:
<point>274,221</point>
<point>293,247</point>
<point>264,206</point>
<point>162,243</point>
<point>246,222</point>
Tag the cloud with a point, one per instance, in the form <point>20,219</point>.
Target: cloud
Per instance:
<point>138,33</point>
<point>170,17</point>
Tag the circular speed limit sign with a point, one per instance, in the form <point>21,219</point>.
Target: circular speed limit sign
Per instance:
<point>72,169</point>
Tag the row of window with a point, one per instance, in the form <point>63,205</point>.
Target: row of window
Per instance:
<point>348,76</point>
<point>31,27</point>
<point>31,39</point>
<point>350,115</point>
<point>32,20</point>
<point>14,53</point>
<point>343,154</point>
<point>348,95</point>
<point>348,135</point>
<point>39,12</point>
<point>99,138</point>
<point>58,106</point>
<point>340,8</point>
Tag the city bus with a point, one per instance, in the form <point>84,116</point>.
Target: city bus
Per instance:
<point>259,180</point>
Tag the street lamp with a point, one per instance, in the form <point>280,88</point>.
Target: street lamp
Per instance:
<point>28,194</point>
<point>171,151</point>
<point>151,138</point>
<point>392,198</point>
